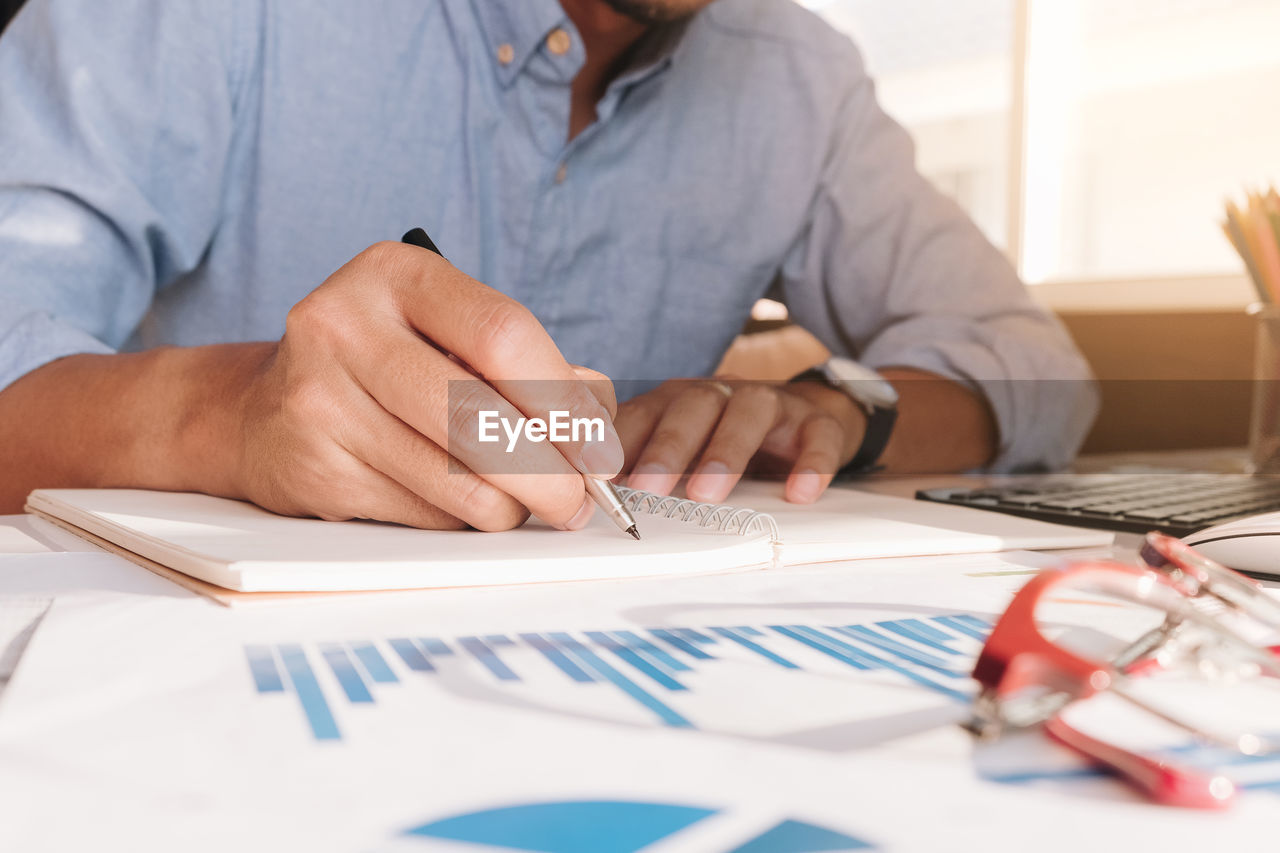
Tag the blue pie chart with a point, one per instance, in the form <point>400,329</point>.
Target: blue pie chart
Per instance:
<point>618,826</point>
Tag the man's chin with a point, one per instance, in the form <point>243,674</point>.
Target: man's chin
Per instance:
<point>657,11</point>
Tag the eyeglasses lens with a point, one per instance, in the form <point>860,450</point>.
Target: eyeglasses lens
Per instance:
<point>1190,677</point>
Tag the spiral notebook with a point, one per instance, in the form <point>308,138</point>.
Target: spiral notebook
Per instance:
<point>213,545</point>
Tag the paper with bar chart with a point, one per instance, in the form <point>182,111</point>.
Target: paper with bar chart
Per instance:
<point>767,712</point>
<point>651,674</point>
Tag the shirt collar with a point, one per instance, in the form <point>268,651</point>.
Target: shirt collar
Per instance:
<point>522,24</point>
<point>525,24</point>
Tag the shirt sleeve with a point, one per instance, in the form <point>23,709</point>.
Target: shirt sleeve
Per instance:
<point>115,127</point>
<point>892,273</point>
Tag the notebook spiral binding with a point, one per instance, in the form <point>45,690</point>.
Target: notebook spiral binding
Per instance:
<point>720,517</point>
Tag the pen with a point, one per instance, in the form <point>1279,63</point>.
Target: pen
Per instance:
<point>601,491</point>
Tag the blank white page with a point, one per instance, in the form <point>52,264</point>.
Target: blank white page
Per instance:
<point>242,547</point>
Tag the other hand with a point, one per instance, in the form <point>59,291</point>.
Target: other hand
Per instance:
<point>718,429</point>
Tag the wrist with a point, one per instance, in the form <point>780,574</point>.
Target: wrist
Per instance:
<point>205,450</point>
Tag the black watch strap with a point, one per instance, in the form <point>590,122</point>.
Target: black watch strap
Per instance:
<point>880,423</point>
<point>813,374</point>
<point>874,440</point>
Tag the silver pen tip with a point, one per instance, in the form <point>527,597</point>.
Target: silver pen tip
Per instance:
<point>635,534</point>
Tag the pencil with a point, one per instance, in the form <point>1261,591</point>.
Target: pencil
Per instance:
<point>1268,248</point>
<point>1234,228</point>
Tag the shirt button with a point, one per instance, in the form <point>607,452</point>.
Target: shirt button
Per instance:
<point>562,173</point>
<point>506,53</point>
<point>559,42</point>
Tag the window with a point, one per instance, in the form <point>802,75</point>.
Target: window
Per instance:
<point>943,69</point>
<point>1092,139</point>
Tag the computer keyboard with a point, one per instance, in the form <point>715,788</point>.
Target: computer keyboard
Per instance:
<point>1177,504</point>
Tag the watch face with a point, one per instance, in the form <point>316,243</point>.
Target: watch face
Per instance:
<point>862,382</point>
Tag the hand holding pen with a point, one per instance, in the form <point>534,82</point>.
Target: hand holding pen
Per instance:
<point>598,488</point>
<point>348,415</point>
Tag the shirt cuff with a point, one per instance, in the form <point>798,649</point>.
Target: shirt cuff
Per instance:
<point>35,339</point>
<point>1041,422</point>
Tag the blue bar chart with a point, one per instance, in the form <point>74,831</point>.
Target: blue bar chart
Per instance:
<point>646,666</point>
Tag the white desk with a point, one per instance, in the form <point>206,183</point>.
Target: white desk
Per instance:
<point>248,773</point>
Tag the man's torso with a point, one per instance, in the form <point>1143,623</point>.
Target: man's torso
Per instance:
<point>641,245</point>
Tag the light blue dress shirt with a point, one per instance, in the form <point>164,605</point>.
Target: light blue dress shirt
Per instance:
<point>184,171</point>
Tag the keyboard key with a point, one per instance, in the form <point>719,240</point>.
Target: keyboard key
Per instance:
<point>1159,514</point>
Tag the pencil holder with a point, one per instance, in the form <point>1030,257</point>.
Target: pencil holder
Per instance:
<point>1264,426</point>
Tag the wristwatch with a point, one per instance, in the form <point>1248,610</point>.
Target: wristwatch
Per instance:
<point>873,394</point>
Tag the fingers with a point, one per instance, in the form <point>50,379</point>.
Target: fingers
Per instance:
<point>501,341</point>
<point>820,444</point>
<point>421,467</point>
<point>438,399</point>
<point>332,433</point>
<point>339,486</point>
<point>678,436</point>
<point>379,498</point>
<point>748,417</point>
<point>666,430</point>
